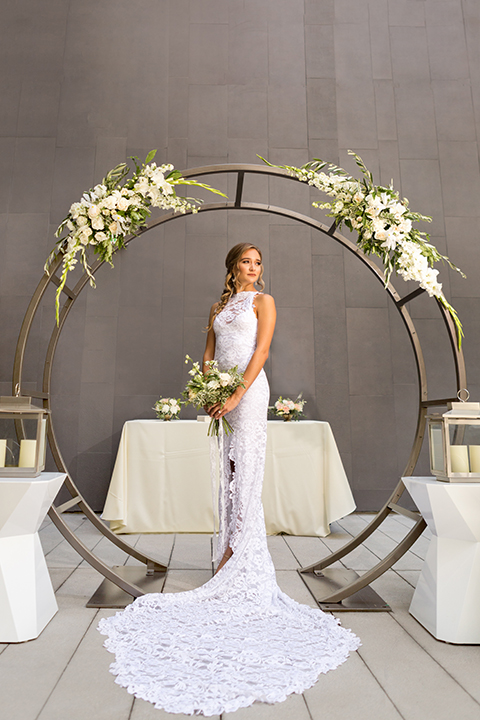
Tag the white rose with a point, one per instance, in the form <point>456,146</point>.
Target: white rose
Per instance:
<point>109,202</point>
<point>93,211</point>
<point>358,197</point>
<point>100,237</point>
<point>113,227</point>
<point>165,408</point>
<point>405,226</point>
<point>75,210</point>
<point>82,220</point>
<point>213,384</point>
<point>123,204</point>
<point>225,379</point>
<point>97,223</point>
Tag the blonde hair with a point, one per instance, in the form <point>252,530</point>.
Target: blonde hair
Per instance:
<point>232,262</point>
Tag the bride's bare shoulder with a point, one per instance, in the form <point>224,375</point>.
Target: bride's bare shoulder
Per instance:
<point>264,304</point>
<point>264,300</point>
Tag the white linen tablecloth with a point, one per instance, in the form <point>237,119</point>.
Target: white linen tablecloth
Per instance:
<point>161,479</point>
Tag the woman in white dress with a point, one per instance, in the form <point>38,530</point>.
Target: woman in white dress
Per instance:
<point>238,638</point>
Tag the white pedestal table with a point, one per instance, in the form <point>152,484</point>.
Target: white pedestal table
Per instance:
<point>27,600</point>
<point>161,479</point>
<point>447,597</point>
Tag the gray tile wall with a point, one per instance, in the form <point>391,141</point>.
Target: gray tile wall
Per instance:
<point>83,85</point>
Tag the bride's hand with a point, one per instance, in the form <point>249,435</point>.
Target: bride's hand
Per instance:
<point>218,410</point>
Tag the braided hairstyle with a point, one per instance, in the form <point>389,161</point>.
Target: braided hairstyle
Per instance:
<point>232,261</point>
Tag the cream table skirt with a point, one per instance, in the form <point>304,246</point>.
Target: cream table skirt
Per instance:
<point>161,479</point>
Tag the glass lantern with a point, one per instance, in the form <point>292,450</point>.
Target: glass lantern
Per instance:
<point>23,434</point>
<point>454,441</point>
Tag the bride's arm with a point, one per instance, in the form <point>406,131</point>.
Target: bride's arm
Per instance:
<point>267,315</point>
<point>209,353</point>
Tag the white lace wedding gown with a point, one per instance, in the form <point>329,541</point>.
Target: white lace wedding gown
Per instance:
<point>238,638</point>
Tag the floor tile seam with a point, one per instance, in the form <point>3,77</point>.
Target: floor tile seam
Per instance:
<point>385,534</point>
<point>72,570</point>
<point>91,549</point>
<point>67,665</point>
<point>289,550</point>
<point>64,539</point>
<point>425,650</point>
<point>131,708</point>
<point>300,565</point>
<point>397,572</point>
<point>306,705</point>
<point>410,549</point>
<point>379,683</point>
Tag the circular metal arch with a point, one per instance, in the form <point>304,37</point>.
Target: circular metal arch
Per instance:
<point>71,295</point>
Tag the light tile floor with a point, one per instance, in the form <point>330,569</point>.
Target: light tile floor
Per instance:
<point>400,671</point>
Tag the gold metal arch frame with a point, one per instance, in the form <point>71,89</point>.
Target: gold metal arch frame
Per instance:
<point>331,592</point>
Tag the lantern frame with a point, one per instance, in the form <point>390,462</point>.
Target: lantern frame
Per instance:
<point>19,408</point>
<point>451,428</point>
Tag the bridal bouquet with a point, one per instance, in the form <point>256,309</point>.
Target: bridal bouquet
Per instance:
<point>288,409</point>
<point>167,408</point>
<point>210,388</point>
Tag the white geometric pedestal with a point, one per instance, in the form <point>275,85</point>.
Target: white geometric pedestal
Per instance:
<point>27,600</point>
<point>447,597</point>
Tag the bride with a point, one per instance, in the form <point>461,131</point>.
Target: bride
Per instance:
<point>238,638</point>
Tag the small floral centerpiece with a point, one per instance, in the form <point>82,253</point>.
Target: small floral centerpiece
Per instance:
<point>384,224</point>
<point>119,206</point>
<point>211,388</point>
<point>288,409</point>
<point>167,408</point>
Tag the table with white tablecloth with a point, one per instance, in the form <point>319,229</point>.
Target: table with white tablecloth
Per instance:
<point>161,479</point>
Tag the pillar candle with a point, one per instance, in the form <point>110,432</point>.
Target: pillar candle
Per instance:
<point>459,458</point>
<point>3,452</point>
<point>474,458</point>
<point>27,453</point>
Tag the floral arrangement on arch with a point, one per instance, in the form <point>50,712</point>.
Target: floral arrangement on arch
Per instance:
<point>116,208</point>
<point>288,409</point>
<point>383,222</point>
<point>167,408</point>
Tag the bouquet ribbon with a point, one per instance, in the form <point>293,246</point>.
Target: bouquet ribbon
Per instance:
<point>217,483</point>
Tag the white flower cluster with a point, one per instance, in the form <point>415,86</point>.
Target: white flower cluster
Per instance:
<point>413,265</point>
<point>107,214</point>
<point>104,215</point>
<point>288,409</point>
<point>383,222</point>
<point>215,386</point>
<point>167,408</point>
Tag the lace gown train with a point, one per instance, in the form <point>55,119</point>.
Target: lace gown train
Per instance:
<point>238,638</point>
